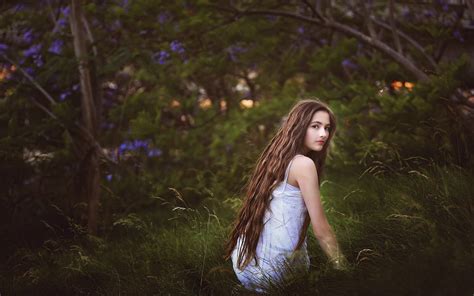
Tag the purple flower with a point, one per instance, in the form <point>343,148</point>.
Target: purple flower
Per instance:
<point>234,51</point>
<point>406,13</point>
<point>301,30</point>
<point>161,57</point>
<point>155,152</point>
<point>39,61</point>
<point>176,46</point>
<point>19,7</point>
<point>133,146</point>
<point>61,24</point>
<point>64,95</point>
<point>347,63</point>
<point>107,125</point>
<point>458,36</point>
<point>443,4</point>
<point>428,13</point>
<point>109,177</point>
<point>3,47</point>
<point>66,11</point>
<point>163,17</point>
<point>27,36</point>
<point>32,51</point>
<point>116,25</point>
<point>271,18</point>
<point>56,46</point>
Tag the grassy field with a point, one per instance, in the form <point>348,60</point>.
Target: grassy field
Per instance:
<point>409,234</point>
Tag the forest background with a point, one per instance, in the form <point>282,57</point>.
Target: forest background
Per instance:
<point>129,129</point>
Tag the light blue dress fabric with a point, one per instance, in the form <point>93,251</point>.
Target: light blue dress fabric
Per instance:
<point>278,240</point>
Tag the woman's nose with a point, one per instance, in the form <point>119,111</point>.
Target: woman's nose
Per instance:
<point>323,133</point>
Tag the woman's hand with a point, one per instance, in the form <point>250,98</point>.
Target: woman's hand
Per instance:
<point>339,263</point>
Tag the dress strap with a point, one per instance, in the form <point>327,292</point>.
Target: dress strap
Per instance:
<point>287,172</point>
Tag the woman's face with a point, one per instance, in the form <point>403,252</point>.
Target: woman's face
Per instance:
<point>317,132</point>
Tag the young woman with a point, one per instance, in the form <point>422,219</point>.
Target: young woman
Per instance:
<point>268,239</point>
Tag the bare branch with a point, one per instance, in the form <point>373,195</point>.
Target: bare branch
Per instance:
<point>45,110</point>
<point>407,38</point>
<point>410,40</point>
<point>368,19</point>
<point>240,13</point>
<point>313,10</point>
<point>382,47</point>
<point>31,79</point>
<point>89,35</point>
<point>405,62</point>
<point>85,133</point>
<point>394,28</point>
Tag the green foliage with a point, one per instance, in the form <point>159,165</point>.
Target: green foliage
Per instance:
<point>406,234</point>
<point>394,226</point>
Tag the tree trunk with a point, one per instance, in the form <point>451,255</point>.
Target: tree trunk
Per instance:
<point>90,172</point>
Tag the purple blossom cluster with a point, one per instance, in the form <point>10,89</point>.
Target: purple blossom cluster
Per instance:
<point>67,93</point>
<point>234,51</point>
<point>177,47</point>
<point>27,36</point>
<point>63,19</point>
<point>457,34</point>
<point>139,145</point>
<point>107,125</point>
<point>161,57</point>
<point>347,63</point>
<point>3,47</point>
<point>163,17</point>
<point>33,52</point>
<point>444,4</point>
<point>56,46</point>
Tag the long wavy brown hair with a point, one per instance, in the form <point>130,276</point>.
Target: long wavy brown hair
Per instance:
<point>269,171</point>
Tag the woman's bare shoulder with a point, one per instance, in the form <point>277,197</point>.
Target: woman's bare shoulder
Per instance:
<point>303,163</point>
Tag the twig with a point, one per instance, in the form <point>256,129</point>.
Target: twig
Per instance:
<point>404,61</point>
<point>83,132</point>
<point>31,79</point>
<point>394,30</point>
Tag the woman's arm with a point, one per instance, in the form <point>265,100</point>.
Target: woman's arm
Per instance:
<point>305,174</point>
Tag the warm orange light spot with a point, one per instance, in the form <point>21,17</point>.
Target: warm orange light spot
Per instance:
<point>175,104</point>
<point>205,103</point>
<point>245,104</point>
<point>223,105</point>
<point>397,85</point>
<point>409,85</point>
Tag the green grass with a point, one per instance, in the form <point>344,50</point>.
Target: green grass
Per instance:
<point>403,235</point>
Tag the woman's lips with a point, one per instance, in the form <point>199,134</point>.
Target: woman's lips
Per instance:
<point>320,142</point>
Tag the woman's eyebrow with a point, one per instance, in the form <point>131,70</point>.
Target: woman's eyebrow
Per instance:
<point>319,122</point>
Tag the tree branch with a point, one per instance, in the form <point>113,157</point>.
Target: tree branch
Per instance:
<point>85,133</point>
<point>402,60</point>
<point>394,28</point>
<point>407,38</point>
<point>31,79</point>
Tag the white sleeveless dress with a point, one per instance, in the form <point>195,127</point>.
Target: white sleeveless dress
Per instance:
<point>278,240</point>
